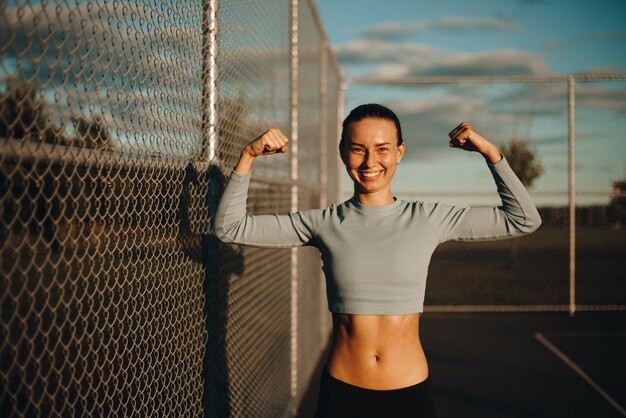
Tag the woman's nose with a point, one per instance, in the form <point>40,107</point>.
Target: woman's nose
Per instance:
<point>370,159</point>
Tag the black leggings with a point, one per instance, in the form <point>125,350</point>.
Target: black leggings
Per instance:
<point>338,399</point>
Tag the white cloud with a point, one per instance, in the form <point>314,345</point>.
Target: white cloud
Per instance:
<point>373,51</point>
<point>389,31</point>
<point>497,62</point>
<point>395,30</point>
<point>396,70</point>
<point>413,59</point>
<point>466,24</point>
<point>601,98</point>
<point>550,98</point>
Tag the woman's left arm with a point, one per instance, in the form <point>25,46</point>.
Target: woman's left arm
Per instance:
<point>517,215</point>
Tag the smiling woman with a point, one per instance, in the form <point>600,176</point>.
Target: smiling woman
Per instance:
<point>375,250</point>
<point>371,147</point>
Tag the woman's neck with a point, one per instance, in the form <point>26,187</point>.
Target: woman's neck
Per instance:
<point>380,198</point>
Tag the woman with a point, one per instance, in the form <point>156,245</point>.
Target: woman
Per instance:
<point>375,250</point>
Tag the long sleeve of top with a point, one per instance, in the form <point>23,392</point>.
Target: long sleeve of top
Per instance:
<point>516,216</point>
<point>376,258</point>
<point>232,225</point>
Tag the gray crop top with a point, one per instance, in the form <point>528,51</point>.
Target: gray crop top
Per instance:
<point>375,258</point>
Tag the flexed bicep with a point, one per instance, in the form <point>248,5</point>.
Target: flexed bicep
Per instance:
<point>233,225</point>
<point>517,215</point>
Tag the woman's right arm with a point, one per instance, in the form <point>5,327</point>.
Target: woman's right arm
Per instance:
<point>232,225</point>
<point>516,216</point>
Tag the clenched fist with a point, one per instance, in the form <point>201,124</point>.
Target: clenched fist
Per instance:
<point>271,141</point>
<point>467,138</point>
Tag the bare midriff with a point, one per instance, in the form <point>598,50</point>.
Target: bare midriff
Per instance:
<point>379,352</point>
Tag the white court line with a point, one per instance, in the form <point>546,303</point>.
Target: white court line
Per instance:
<point>586,334</point>
<point>578,370</point>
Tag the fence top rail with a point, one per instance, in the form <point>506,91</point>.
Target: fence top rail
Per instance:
<point>486,79</point>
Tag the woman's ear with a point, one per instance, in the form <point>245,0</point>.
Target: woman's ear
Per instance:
<point>401,149</point>
<point>342,151</point>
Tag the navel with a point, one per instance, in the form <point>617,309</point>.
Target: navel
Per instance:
<point>377,358</point>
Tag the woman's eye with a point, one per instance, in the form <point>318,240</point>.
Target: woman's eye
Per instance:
<point>383,148</point>
<point>357,150</point>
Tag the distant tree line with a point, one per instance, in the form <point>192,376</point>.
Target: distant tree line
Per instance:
<point>24,116</point>
<point>60,201</point>
<point>524,162</point>
<point>70,204</point>
<point>596,215</point>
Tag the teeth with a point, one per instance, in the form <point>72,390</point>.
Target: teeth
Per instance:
<point>370,174</point>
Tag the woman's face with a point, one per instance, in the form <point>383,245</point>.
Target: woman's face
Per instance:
<point>371,154</point>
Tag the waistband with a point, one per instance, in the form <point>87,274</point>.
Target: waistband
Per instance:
<point>342,397</point>
<point>348,386</point>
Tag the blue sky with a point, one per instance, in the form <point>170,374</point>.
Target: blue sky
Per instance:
<point>566,36</point>
<point>391,38</point>
<point>514,37</point>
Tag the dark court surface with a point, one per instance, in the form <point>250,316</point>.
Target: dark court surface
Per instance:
<point>498,365</point>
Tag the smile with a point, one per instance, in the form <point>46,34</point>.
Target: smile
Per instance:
<point>370,175</point>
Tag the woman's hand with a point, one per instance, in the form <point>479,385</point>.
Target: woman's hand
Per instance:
<point>271,141</point>
<point>467,138</point>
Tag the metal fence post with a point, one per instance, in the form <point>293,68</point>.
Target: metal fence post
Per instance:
<point>323,161</point>
<point>572,196</point>
<point>294,196</point>
<point>323,123</point>
<point>209,74</point>
<point>341,103</point>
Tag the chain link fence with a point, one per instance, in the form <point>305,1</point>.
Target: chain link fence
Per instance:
<point>574,126</point>
<point>119,122</point>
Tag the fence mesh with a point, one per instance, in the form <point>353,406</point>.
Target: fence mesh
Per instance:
<point>600,175</point>
<point>253,86</point>
<point>532,272</point>
<point>309,113</point>
<point>114,297</point>
<point>331,157</point>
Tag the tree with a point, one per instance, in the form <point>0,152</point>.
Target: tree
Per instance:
<point>617,205</point>
<point>39,192</point>
<point>523,161</point>
<point>25,116</point>
<point>91,133</point>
